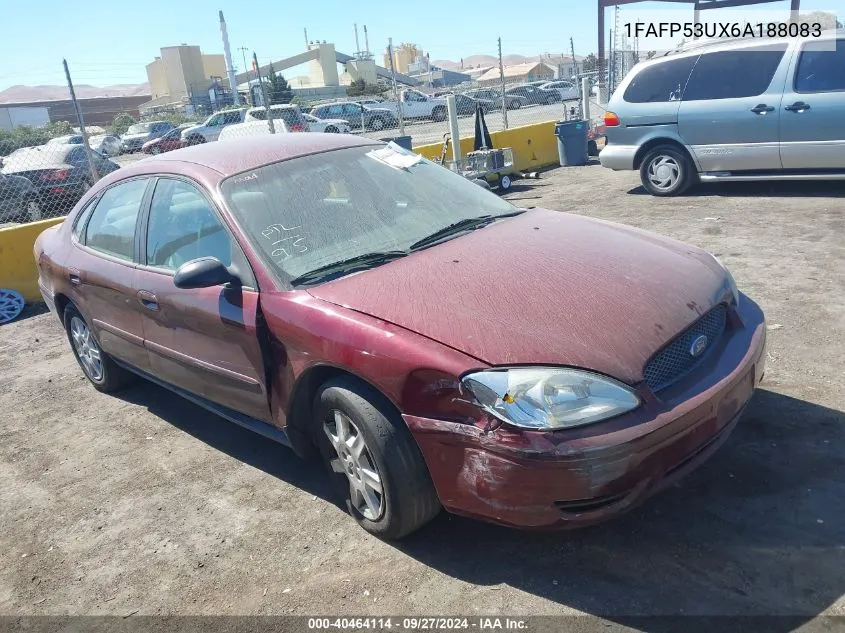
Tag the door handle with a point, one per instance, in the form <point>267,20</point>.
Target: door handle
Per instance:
<point>148,300</point>
<point>798,106</point>
<point>762,108</point>
<point>73,276</point>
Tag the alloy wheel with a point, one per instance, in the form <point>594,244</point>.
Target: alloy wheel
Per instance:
<point>86,349</point>
<point>664,172</point>
<point>356,463</point>
<point>33,210</point>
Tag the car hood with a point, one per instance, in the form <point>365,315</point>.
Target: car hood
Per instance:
<point>544,288</point>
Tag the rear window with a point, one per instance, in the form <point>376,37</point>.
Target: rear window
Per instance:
<point>734,74</point>
<point>821,70</point>
<point>661,82</point>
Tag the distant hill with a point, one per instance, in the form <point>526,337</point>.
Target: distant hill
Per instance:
<point>24,94</point>
<point>486,61</point>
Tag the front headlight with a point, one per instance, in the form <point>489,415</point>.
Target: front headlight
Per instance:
<point>548,397</point>
<point>731,282</point>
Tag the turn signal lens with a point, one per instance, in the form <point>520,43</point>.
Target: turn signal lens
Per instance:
<point>610,119</point>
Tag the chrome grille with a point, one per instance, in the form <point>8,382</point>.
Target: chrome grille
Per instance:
<point>675,360</point>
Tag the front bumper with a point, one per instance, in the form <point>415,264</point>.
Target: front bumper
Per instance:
<point>579,477</point>
<point>618,157</point>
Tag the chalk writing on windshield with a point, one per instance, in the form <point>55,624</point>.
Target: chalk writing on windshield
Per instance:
<point>285,242</point>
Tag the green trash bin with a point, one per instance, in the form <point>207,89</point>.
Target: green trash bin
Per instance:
<point>572,142</point>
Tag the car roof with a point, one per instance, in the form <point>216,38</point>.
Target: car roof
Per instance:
<point>241,154</point>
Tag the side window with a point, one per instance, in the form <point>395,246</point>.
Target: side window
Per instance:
<point>231,117</point>
<point>111,228</point>
<point>183,226</point>
<point>821,69</point>
<point>82,219</point>
<point>661,82</point>
<point>734,74</point>
<point>350,109</point>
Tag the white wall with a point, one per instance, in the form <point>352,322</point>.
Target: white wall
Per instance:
<point>15,116</point>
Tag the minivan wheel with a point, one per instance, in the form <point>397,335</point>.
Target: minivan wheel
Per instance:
<point>98,367</point>
<point>376,124</point>
<point>374,459</point>
<point>666,171</point>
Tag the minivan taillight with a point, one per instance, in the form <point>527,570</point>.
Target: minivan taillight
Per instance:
<point>611,119</point>
<point>55,174</point>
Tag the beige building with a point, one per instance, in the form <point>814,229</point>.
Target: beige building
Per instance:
<point>403,55</point>
<point>182,71</point>
<point>518,73</point>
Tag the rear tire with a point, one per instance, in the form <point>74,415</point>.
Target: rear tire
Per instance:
<point>331,130</point>
<point>368,449</point>
<point>515,105</point>
<point>505,182</point>
<point>438,114</point>
<point>376,124</point>
<point>666,171</point>
<point>195,140</point>
<point>155,149</point>
<point>98,367</point>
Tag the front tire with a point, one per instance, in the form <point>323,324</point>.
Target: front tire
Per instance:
<point>505,182</point>
<point>331,130</point>
<point>195,140</point>
<point>666,171</point>
<point>438,114</point>
<point>377,124</point>
<point>515,105</point>
<point>98,367</point>
<point>373,457</point>
<point>155,149</point>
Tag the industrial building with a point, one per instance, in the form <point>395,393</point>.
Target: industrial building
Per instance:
<point>183,76</point>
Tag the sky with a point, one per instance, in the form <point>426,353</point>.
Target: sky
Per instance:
<point>110,41</point>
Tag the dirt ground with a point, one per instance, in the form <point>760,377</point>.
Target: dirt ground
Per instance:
<point>146,504</point>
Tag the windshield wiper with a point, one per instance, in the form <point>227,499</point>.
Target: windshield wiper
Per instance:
<point>346,266</point>
<point>461,226</point>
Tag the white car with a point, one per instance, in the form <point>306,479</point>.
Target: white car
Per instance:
<point>252,128</point>
<point>106,145</point>
<point>566,89</point>
<point>332,126</point>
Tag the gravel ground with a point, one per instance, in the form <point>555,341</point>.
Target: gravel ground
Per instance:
<point>144,503</point>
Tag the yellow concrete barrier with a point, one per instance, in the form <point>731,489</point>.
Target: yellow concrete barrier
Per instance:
<point>534,146</point>
<point>17,265</point>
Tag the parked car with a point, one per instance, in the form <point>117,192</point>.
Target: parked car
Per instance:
<point>513,101</point>
<point>357,115</point>
<point>287,112</point>
<point>167,143</point>
<point>106,144</point>
<point>535,95</point>
<point>209,130</point>
<point>67,139</point>
<point>333,293</point>
<point>729,111</point>
<point>416,105</point>
<point>466,105</point>
<point>567,90</point>
<point>140,133</point>
<point>330,126</point>
<point>252,128</point>
<point>59,172</point>
<point>19,200</point>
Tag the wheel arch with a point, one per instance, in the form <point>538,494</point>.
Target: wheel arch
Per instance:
<point>650,144</point>
<point>300,410</point>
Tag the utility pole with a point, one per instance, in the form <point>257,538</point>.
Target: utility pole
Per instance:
<point>264,94</point>
<point>502,78</point>
<point>243,50</point>
<point>395,89</point>
<point>94,173</point>
<point>577,72</point>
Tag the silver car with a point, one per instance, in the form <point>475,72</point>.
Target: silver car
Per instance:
<point>733,110</point>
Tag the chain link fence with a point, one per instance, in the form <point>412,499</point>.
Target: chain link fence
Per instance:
<point>47,165</point>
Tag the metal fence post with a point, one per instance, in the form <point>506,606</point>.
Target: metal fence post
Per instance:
<point>264,94</point>
<point>395,89</point>
<point>585,99</point>
<point>502,78</point>
<point>453,129</point>
<point>94,173</point>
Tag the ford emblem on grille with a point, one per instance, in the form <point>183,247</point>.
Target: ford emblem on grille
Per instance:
<point>698,346</point>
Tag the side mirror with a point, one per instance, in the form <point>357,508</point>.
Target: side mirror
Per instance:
<point>203,272</point>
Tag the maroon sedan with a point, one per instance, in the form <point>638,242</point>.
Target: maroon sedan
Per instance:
<point>167,143</point>
<point>436,345</point>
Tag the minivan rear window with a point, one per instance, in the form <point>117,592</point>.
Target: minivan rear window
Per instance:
<point>661,82</point>
<point>821,69</point>
<point>733,74</point>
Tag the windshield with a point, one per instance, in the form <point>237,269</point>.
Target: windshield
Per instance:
<point>309,212</point>
<point>139,128</point>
